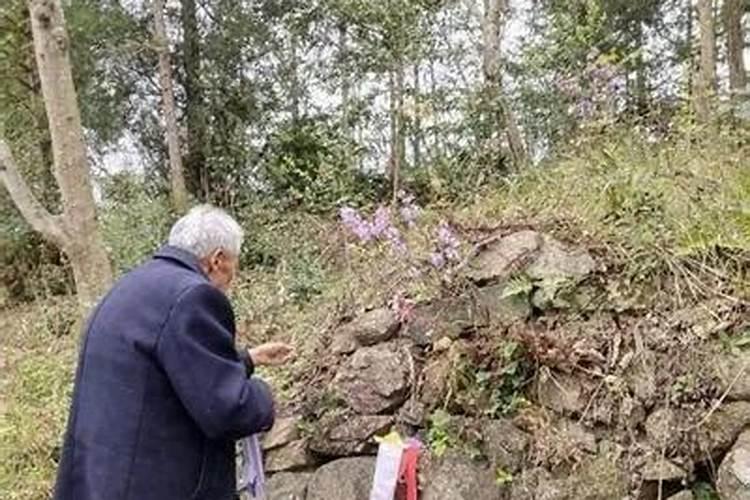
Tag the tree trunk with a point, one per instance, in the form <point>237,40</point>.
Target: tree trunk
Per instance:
<point>733,11</point>
<point>689,47</point>
<point>295,88</point>
<point>179,192</point>
<point>75,231</point>
<point>195,165</point>
<point>436,149</point>
<point>641,77</point>
<point>706,77</point>
<point>345,84</point>
<point>396,83</point>
<point>503,117</point>
<point>417,121</point>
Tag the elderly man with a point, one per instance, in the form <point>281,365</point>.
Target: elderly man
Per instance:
<point>161,394</point>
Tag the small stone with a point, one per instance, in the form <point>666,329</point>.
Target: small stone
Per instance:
<point>442,345</point>
<point>661,469</point>
<point>660,427</point>
<point>293,456</point>
<point>412,413</point>
<point>683,495</point>
<point>284,431</point>
<point>561,392</point>
<point>632,413</point>
<point>372,327</point>
<point>641,377</point>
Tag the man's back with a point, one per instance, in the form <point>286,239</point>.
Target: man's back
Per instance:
<point>160,392</point>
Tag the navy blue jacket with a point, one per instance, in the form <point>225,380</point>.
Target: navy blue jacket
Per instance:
<point>161,394</point>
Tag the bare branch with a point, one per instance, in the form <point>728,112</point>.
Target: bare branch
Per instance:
<point>35,214</point>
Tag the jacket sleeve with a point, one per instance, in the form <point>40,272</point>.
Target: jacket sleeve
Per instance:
<point>196,350</point>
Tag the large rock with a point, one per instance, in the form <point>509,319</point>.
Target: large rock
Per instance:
<point>346,436</point>
<point>372,327</point>
<point>506,256</point>
<point>546,261</point>
<point>734,473</point>
<point>288,486</point>
<point>561,392</point>
<point>500,308</point>
<point>343,479</point>
<point>455,478</point>
<point>721,429</point>
<point>556,263</point>
<point>504,444</point>
<point>733,370</point>
<point>284,431</point>
<point>443,318</point>
<point>293,456</point>
<point>375,379</point>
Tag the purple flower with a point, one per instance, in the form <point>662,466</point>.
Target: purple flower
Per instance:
<point>356,224</point>
<point>381,222</point>
<point>394,236</point>
<point>448,241</point>
<point>437,260</point>
<point>409,214</point>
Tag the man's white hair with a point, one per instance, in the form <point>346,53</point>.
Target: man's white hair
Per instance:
<point>205,229</point>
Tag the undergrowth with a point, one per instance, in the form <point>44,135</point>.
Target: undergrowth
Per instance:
<point>671,222</point>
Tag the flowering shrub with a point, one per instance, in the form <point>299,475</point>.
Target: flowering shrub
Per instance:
<point>382,227</point>
<point>596,92</point>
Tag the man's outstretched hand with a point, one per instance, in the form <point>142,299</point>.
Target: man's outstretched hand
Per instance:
<point>271,354</point>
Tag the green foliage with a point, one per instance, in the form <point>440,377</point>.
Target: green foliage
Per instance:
<point>705,491</point>
<point>134,222</point>
<point>29,266</point>
<point>493,386</point>
<point>503,477</point>
<point>439,434</point>
<point>460,179</point>
<point>309,165</point>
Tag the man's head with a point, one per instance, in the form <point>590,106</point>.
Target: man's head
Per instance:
<point>214,237</point>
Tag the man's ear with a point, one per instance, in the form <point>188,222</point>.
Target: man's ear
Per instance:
<point>217,256</point>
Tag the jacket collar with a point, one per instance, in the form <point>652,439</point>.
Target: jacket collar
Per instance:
<point>182,257</point>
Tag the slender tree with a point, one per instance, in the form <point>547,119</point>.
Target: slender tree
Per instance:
<point>705,80</point>
<point>75,230</point>
<point>178,192</point>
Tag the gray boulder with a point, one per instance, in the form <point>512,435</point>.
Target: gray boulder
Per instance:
<point>375,379</point>
<point>343,479</point>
